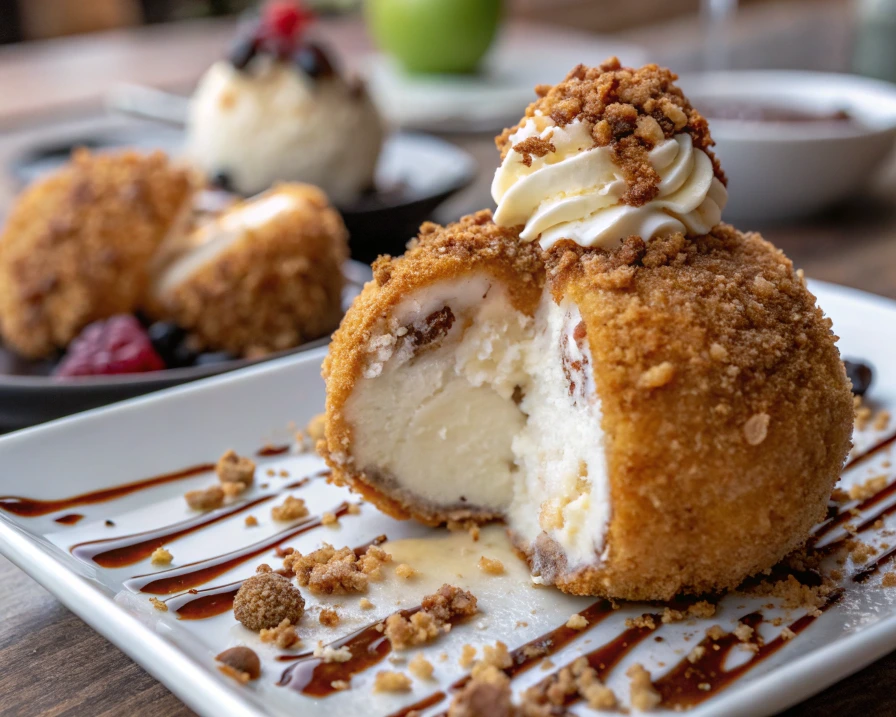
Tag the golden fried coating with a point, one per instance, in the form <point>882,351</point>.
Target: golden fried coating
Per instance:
<point>77,245</point>
<point>277,285</point>
<point>726,410</point>
<point>725,407</point>
<point>472,244</point>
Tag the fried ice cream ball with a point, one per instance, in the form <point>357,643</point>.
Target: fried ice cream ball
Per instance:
<point>77,245</point>
<point>265,275</point>
<point>666,417</point>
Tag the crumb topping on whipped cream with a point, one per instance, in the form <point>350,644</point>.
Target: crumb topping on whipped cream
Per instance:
<point>609,153</point>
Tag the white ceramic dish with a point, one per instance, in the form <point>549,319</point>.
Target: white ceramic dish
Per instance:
<point>191,425</point>
<point>782,170</point>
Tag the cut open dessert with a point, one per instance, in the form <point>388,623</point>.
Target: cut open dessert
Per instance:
<point>660,412</point>
<point>263,276</point>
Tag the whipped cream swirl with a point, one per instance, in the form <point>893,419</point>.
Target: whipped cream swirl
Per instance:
<point>575,191</point>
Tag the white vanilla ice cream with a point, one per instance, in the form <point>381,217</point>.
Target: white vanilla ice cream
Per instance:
<point>273,123</point>
<point>575,192</point>
<point>498,412</point>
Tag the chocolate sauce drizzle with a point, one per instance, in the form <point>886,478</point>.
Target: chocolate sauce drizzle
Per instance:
<point>691,682</point>
<point>130,549</point>
<point>68,518</point>
<point>312,676</point>
<point>32,508</point>
<point>267,451</point>
<point>200,572</point>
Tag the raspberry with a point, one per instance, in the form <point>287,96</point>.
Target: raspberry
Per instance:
<point>282,25</point>
<point>117,345</point>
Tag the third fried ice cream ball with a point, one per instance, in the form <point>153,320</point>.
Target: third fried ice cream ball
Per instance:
<point>650,399</point>
<point>263,276</point>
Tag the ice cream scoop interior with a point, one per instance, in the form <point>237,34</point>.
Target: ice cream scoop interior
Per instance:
<point>475,409</point>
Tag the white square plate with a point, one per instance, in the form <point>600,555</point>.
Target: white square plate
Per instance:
<point>259,406</point>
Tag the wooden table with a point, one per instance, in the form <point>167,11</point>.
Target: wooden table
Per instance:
<point>51,663</point>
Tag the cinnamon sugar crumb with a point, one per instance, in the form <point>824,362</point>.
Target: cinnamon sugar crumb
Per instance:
<point>696,654</point>
<point>328,570</point>
<point>881,420</point>
<point>641,621</point>
<point>232,468</point>
<point>365,604</point>
<point>251,521</point>
<point>743,632</point>
<point>533,146</point>
<point>405,571</point>
<point>577,622</point>
<point>467,656</point>
<point>340,685</point>
<point>292,508</point>
<point>387,681</point>
<point>490,566</point>
<point>420,667</point>
<point>644,696</point>
<point>715,632</point>
<point>158,604</point>
<point>867,489</point>
<point>284,635</point>
<point>332,654</point>
<point>160,556</point>
<point>329,519</point>
<point>657,376</point>
<point>328,617</point>
<point>787,634</point>
<point>316,428</point>
<point>353,509</point>
<point>205,499</point>
<point>889,580</point>
<point>233,489</point>
<point>437,612</point>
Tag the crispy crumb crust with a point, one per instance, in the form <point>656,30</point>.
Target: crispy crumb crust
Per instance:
<point>77,245</point>
<point>472,244</point>
<point>274,288</point>
<point>698,503</point>
<point>628,110</point>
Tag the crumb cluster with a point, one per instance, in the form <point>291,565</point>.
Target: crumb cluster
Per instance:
<point>628,110</point>
<point>435,616</point>
<point>283,636</point>
<point>328,570</point>
<point>232,468</point>
<point>292,508</point>
<point>267,599</point>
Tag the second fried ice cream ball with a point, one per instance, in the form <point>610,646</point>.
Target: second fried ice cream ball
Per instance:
<point>77,246</point>
<point>265,275</point>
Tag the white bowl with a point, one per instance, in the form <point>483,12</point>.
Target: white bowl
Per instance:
<point>783,170</point>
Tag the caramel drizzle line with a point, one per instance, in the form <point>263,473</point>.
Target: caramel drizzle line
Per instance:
<point>199,572</point>
<point>525,656</point>
<point>688,683</point>
<point>218,599</point>
<point>127,552</point>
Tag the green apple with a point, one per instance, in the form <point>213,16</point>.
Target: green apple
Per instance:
<point>434,35</point>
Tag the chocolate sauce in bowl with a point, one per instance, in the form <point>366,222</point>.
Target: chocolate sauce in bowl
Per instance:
<point>32,507</point>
